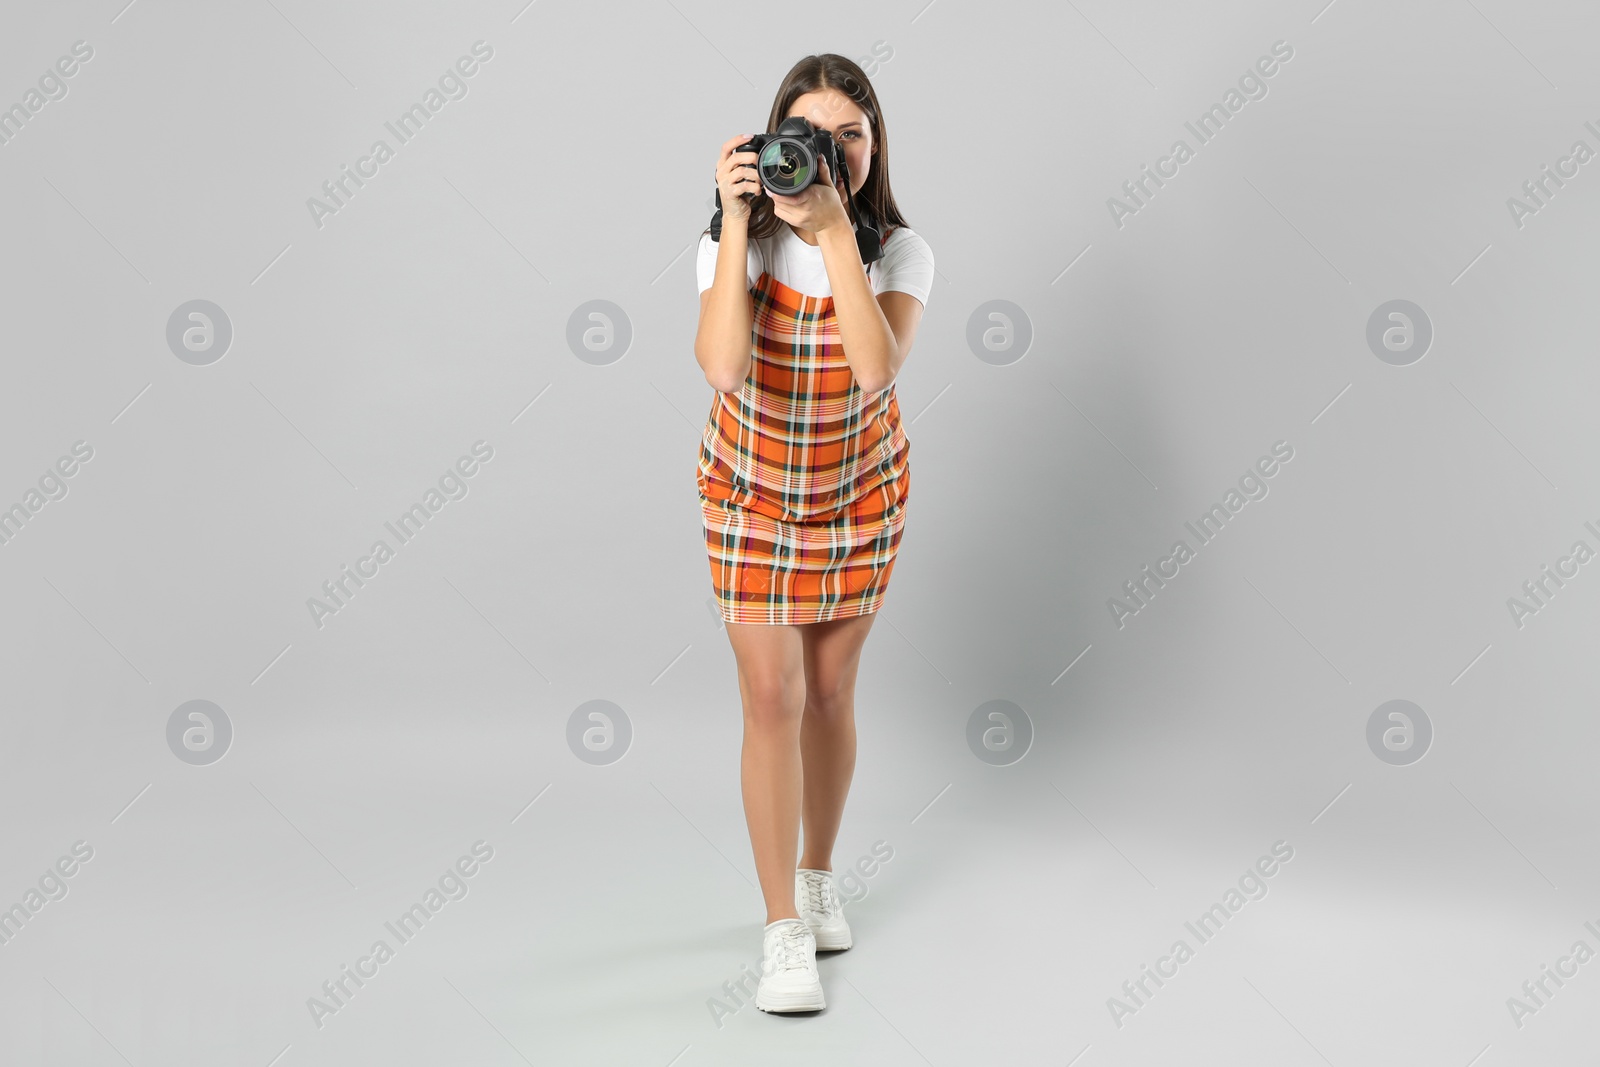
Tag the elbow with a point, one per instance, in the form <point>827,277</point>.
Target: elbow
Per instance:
<point>724,370</point>
<point>721,377</point>
<point>713,378</point>
<point>722,382</point>
<point>875,385</point>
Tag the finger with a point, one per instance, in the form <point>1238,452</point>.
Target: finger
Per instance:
<point>728,147</point>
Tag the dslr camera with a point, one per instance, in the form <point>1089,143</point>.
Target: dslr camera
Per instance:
<point>789,161</point>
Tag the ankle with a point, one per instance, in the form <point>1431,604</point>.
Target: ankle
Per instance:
<point>773,916</point>
<point>817,865</point>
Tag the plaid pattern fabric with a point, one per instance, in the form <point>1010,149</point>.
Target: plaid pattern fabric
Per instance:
<point>803,476</point>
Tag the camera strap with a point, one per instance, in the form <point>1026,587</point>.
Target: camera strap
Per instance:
<point>868,241</point>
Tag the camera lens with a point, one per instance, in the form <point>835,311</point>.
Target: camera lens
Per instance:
<point>786,166</point>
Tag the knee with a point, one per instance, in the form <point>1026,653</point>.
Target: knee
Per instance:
<point>773,700</point>
<point>829,703</point>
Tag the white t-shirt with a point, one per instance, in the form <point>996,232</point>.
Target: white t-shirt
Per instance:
<point>905,266</point>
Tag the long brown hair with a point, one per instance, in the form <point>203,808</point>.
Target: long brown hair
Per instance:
<point>831,71</point>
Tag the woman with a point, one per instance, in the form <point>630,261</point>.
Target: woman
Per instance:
<point>803,481</point>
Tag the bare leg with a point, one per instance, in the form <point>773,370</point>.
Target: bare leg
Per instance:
<point>828,730</point>
<point>772,687</point>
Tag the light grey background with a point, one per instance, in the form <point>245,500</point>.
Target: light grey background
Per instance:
<point>1168,354</point>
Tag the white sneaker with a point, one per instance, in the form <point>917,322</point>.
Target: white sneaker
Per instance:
<point>789,979</point>
<point>819,905</point>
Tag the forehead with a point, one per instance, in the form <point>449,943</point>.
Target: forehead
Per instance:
<point>828,109</point>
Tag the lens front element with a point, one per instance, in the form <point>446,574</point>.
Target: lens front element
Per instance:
<point>785,166</point>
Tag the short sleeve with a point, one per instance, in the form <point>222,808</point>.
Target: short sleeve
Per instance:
<point>706,262</point>
<point>906,266</point>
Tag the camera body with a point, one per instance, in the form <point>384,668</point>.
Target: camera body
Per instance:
<point>789,161</point>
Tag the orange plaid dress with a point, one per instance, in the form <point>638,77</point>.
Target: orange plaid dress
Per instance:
<point>803,476</point>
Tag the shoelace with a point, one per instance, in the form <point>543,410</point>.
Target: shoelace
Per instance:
<point>820,897</point>
<point>790,950</point>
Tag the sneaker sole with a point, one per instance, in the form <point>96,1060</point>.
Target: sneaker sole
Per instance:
<point>830,940</point>
<point>783,1002</point>
<point>834,943</point>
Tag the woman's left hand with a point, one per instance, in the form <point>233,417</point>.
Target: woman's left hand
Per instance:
<point>817,208</point>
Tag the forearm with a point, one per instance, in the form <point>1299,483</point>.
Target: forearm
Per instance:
<point>868,342</point>
<point>722,343</point>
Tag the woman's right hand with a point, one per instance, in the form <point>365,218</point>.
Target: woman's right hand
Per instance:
<point>736,174</point>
